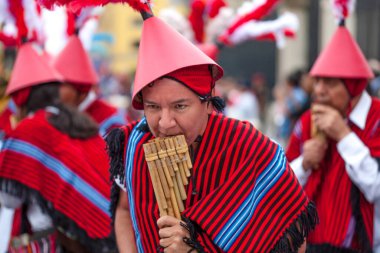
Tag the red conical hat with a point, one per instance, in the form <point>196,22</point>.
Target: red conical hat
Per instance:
<point>75,65</point>
<point>162,51</point>
<point>342,58</point>
<point>31,68</point>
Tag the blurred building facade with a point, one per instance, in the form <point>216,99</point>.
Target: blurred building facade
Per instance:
<point>124,24</point>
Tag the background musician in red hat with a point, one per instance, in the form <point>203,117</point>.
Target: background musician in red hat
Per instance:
<point>79,78</point>
<point>335,150</point>
<point>53,166</point>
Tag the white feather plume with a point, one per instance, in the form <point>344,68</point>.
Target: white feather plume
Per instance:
<point>277,27</point>
<point>342,8</point>
<point>176,20</point>
<point>219,24</point>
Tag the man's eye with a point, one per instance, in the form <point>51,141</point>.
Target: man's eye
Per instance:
<point>180,107</point>
<point>153,107</point>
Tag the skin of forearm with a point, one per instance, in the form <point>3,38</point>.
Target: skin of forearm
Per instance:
<point>123,229</point>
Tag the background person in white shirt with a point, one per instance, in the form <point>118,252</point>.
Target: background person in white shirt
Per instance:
<point>339,165</point>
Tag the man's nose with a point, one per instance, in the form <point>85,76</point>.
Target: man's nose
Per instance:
<point>319,89</point>
<point>166,121</point>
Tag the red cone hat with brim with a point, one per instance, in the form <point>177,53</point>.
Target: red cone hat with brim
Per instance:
<point>31,68</point>
<point>342,58</point>
<point>74,64</point>
<point>163,50</point>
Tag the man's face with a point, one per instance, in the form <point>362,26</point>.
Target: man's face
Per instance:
<point>171,109</point>
<point>69,95</point>
<point>332,92</point>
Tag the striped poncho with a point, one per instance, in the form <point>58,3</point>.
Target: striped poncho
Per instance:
<point>67,176</point>
<point>107,116</point>
<point>243,196</point>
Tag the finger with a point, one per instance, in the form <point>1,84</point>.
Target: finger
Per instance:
<point>167,221</point>
<point>165,242</point>
<point>319,108</point>
<point>165,232</point>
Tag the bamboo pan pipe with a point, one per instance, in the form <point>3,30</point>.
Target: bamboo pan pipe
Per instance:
<point>169,167</point>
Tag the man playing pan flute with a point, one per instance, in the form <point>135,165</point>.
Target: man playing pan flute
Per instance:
<point>241,195</point>
<point>338,164</point>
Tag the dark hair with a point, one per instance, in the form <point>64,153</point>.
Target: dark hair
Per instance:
<point>294,79</point>
<point>67,120</point>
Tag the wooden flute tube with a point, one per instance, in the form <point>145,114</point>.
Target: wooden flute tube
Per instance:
<point>162,177</point>
<point>175,161</point>
<point>158,191</point>
<point>179,163</point>
<point>180,196</point>
<point>171,153</point>
<point>162,155</point>
<point>315,132</point>
<point>188,159</point>
<point>182,150</point>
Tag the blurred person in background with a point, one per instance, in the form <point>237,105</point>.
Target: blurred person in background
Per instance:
<point>296,103</point>
<point>335,150</point>
<point>242,104</point>
<point>79,79</point>
<point>260,89</point>
<point>54,187</point>
<point>374,85</point>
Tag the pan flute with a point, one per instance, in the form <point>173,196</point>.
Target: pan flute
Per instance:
<point>314,131</point>
<point>169,167</point>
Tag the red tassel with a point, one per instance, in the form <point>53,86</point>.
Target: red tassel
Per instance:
<point>214,7</point>
<point>77,5</point>
<point>70,30</point>
<point>196,19</point>
<point>343,8</point>
<point>17,10</point>
<point>50,3</point>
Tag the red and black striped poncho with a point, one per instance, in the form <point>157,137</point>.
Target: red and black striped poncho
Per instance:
<point>67,176</point>
<point>337,199</point>
<point>243,196</point>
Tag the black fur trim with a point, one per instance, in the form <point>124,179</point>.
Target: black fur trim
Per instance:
<point>327,248</point>
<point>360,230</point>
<point>115,148</point>
<point>192,241</point>
<point>61,222</point>
<point>306,222</point>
